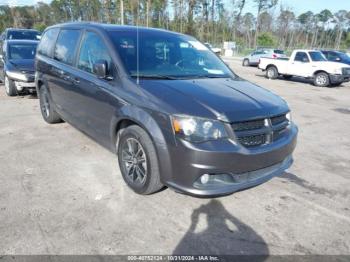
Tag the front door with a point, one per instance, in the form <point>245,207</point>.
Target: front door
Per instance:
<point>93,100</point>
<point>300,65</point>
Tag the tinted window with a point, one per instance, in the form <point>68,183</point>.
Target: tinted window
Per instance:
<point>47,42</point>
<point>28,35</point>
<point>280,52</point>
<point>65,46</point>
<point>92,49</point>
<point>301,57</point>
<point>22,51</point>
<point>317,56</point>
<point>167,55</point>
<point>331,56</point>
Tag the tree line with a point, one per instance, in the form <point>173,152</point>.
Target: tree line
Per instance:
<point>214,21</point>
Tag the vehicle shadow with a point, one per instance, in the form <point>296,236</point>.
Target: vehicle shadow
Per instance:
<point>224,235</point>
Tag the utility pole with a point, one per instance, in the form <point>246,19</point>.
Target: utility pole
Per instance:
<point>122,12</point>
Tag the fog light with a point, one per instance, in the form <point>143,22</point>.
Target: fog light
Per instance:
<point>19,86</point>
<point>204,178</point>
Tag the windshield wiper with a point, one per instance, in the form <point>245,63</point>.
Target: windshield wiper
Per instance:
<point>208,76</point>
<point>154,76</point>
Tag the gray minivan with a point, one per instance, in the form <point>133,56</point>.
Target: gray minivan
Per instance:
<point>170,109</point>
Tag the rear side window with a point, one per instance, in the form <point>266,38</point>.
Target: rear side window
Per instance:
<point>47,42</point>
<point>65,46</point>
<point>280,52</point>
<point>93,49</point>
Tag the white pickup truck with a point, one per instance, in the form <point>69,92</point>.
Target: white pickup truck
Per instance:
<point>310,64</point>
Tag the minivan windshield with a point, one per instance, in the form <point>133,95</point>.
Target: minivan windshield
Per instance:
<point>23,35</point>
<point>22,51</point>
<point>317,56</point>
<point>167,55</point>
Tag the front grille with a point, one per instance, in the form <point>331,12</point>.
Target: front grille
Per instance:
<point>255,140</point>
<point>278,119</point>
<point>248,125</point>
<point>346,71</point>
<point>261,131</point>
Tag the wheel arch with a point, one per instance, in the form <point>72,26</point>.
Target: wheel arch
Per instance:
<point>319,71</point>
<point>271,65</point>
<point>133,115</point>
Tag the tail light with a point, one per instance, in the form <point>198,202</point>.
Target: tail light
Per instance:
<point>274,56</point>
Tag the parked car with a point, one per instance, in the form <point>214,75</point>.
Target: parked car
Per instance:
<point>171,110</point>
<point>216,50</point>
<point>17,66</point>
<point>310,64</point>
<point>336,56</point>
<point>254,58</point>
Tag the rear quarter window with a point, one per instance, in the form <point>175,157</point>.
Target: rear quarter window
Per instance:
<point>47,42</point>
<point>66,45</point>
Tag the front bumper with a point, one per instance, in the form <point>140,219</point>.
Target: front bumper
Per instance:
<point>232,166</point>
<point>25,86</point>
<point>335,79</point>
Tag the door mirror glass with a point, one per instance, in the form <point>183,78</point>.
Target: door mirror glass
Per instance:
<point>100,68</point>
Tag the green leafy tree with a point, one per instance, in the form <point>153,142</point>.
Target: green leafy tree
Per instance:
<point>266,40</point>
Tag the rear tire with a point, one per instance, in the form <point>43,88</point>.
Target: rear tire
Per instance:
<point>272,72</point>
<point>47,111</point>
<point>246,62</point>
<point>321,79</point>
<point>10,87</point>
<point>138,161</point>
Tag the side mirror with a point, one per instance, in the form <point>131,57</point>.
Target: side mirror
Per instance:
<point>100,68</point>
<point>305,60</point>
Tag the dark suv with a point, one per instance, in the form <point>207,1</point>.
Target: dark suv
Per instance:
<point>17,66</point>
<point>172,111</point>
<point>336,56</point>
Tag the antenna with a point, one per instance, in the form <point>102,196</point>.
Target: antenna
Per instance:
<point>137,44</point>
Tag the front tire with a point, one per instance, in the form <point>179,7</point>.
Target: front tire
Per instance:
<point>321,79</point>
<point>138,160</point>
<point>271,72</point>
<point>10,87</point>
<point>47,111</point>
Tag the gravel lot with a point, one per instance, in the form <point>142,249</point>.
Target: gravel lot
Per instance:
<point>61,193</point>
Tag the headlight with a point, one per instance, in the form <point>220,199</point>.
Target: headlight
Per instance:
<point>17,75</point>
<point>195,129</point>
<point>338,71</point>
<point>289,117</point>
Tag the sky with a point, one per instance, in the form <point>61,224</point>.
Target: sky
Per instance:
<point>301,6</point>
<point>298,6</point>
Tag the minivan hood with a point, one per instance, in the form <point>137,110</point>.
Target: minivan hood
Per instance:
<point>220,98</point>
<point>23,64</point>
